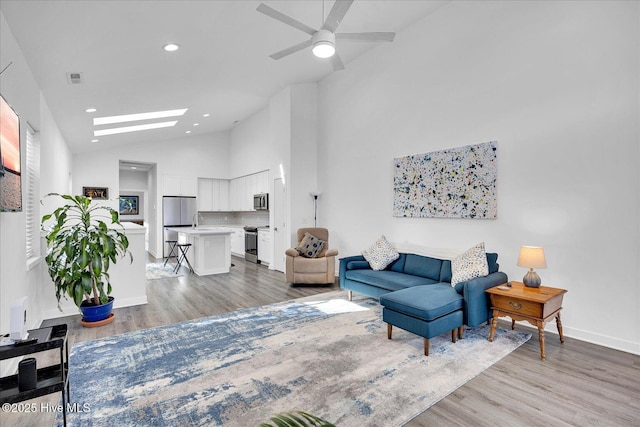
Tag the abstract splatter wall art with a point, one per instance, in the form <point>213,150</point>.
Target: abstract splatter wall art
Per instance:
<point>453,183</point>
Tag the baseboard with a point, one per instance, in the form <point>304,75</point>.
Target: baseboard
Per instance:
<point>70,311</point>
<point>154,254</point>
<point>586,336</point>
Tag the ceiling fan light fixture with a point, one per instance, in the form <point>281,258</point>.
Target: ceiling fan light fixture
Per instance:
<point>324,44</point>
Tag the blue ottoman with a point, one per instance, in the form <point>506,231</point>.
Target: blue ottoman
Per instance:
<point>427,311</point>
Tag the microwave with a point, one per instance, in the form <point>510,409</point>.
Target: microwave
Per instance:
<point>261,202</point>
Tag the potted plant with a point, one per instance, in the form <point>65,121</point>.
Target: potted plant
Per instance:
<point>81,247</point>
<point>295,419</point>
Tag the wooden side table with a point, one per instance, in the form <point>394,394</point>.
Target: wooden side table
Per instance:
<point>535,305</point>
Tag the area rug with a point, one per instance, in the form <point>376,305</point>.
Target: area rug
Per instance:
<point>157,270</point>
<point>322,354</point>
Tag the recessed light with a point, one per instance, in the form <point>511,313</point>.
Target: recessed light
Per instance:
<point>188,131</point>
<point>90,110</point>
<point>133,167</point>
<point>206,115</point>
<point>95,140</point>
<point>196,124</point>
<point>171,47</point>
<point>140,116</point>
<point>135,128</point>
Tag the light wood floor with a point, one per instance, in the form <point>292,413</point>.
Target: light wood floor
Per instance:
<point>579,384</point>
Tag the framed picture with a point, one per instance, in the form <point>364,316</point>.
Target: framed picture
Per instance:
<point>129,205</point>
<point>99,193</point>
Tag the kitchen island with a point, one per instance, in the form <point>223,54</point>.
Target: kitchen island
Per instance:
<point>210,251</point>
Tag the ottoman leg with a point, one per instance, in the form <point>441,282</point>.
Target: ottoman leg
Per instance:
<point>460,331</point>
<point>453,335</point>
<point>389,329</point>
<point>426,346</point>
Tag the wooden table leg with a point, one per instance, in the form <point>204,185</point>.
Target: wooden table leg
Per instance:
<point>513,324</point>
<point>494,323</point>
<point>559,325</point>
<point>540,325</point>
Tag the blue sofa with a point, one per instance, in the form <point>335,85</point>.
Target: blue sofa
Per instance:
<point>417,270</point>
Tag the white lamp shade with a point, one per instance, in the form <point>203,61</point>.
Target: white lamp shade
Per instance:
<point>324,50</point>
<point>532,257</point>
<point>324,44</point>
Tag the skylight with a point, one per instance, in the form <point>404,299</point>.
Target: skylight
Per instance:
<point>139,116</point>
<point>134,128</point>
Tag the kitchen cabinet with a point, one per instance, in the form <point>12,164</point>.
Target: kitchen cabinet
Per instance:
<point>237,241</point>
<point>205,194</point>
<point>213,194</point>
<point>221,195</point>
<point>265,246</point>
<point>242,189</point>
<point>210,251</point>
<point>262,182</point>
<point>174,185</point>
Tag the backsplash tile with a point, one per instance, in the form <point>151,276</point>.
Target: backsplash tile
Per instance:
<point>233,218</point>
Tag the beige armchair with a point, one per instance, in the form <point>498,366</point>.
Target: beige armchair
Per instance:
<point>321,269</point>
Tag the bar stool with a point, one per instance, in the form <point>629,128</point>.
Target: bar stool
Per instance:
<point>173,251</point>
<point>182,256</point>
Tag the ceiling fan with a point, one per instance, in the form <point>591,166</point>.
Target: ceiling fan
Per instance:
<point>324,39</point>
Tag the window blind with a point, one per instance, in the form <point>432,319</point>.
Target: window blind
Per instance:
<point>32,210</point>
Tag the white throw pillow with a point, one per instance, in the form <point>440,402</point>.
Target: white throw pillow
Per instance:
<point>469,265</point>
<point>380,254</point>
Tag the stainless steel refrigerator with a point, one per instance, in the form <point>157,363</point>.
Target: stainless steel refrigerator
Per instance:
<point>176,212</point>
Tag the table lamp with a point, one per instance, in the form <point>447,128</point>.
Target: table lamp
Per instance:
<point>531,257</point>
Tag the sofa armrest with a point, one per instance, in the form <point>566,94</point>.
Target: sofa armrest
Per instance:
<point>331,252</point>
<point>292,252</point>
<point>348,263</point>
<point>477,303</point>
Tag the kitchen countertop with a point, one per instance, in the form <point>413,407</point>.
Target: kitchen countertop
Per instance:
<point>201,231</point>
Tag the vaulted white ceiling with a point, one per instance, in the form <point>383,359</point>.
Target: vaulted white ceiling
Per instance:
<point>222,68</point>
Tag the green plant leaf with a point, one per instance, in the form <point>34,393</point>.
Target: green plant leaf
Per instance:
<point>297,419</point>
<point>78,293</point>
<point>96,264</point>
<point>81,247</point>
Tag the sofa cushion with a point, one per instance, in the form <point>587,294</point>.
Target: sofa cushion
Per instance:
<point>469,265</point>
<point>398,265</point>
<point>356,265</point>
<point>423,266</point>
<point>310,246</point>
<point>492,261</point>
<point>380,254</point>
<point>424,302</point>
<point>386,279</point>
<point>445,271</point>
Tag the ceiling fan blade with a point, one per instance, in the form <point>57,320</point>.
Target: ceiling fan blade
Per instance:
<point>366,37</point>
<point>336,62</point>
<point>292,49</point>
<point>286,19</point>
<point>339,9</point>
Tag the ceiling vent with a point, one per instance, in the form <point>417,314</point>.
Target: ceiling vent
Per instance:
<point>74,78</point>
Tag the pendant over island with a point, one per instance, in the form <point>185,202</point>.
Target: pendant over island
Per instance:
<point>210,251</point>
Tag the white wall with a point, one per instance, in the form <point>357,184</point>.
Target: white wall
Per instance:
<point>135,183</point>
<point>20,89</point>
<point>284,133</point>
<point>204,156</point>
<point>556,84</point>
<point>250,149</point>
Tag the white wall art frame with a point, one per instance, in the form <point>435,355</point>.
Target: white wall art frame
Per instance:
<point>453,183</point>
